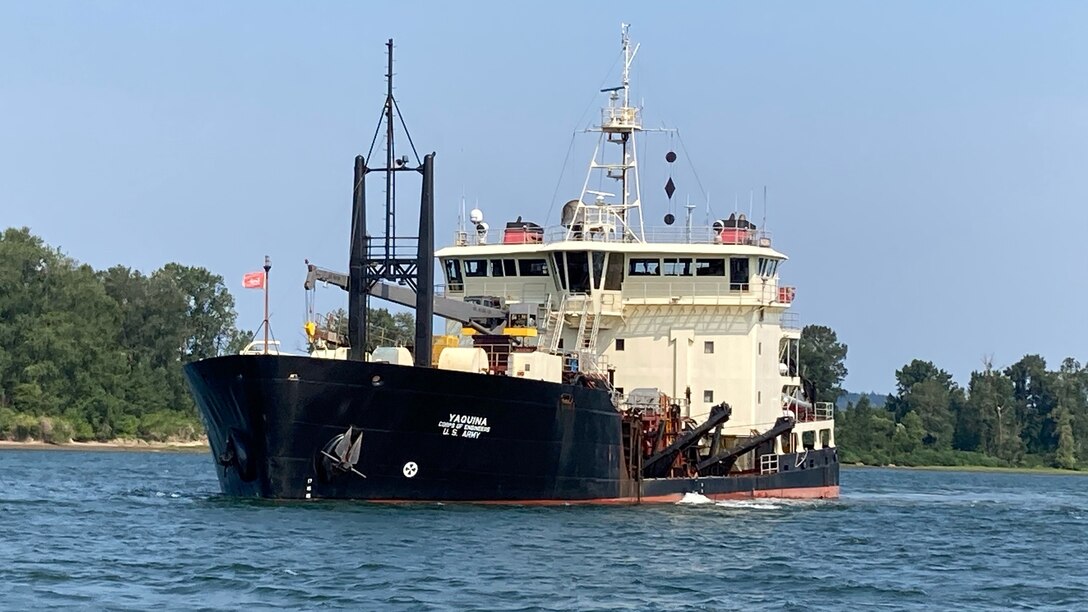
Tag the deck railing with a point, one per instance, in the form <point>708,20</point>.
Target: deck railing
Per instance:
<point>790,320</point>
<point>670,234</point>
<point>820,411</point>
<point>824,411</point>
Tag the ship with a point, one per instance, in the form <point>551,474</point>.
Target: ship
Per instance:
<point>598,361</point>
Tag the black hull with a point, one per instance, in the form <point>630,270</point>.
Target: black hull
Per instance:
<point>438,435</point>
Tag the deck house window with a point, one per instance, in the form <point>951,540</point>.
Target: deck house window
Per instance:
<point>644,267</point>
<point>453,275</point>
<point>710,267</point>
<point>708,347</point>
<point>578,271</point>
<point>677,267</point>
<point>767,267</point>
<point>598,268</point>
<point>475,267</point>
<point>738,274</point>
<point>708,396</point>
<point>533,267</point>
<point>613,279</point>
<point>560,272</point>
<point>619,344</point>
<point>504,267</point>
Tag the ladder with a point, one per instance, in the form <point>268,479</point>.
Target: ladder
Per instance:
<point>555,324</point>
<point>584,325</point>
<point>589,326</point>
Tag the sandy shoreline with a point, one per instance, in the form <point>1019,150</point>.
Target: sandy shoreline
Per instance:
<point>974,468</point>
<point>196,446</point>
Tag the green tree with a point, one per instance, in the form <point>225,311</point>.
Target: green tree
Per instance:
<point>823,359</point>
<point>1035,391</point>
<point>990,411</point>
<point>929,401</point>
<point>1073,381</point>
<point>915,372</point>
<point>387,329</point>
<point>153,315</point>
<point>210,310</point>
<point>865,433</point>
<point>1066,453</point>
<point>910,434</point>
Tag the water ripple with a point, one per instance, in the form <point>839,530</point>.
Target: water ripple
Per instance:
<point>134,531</point>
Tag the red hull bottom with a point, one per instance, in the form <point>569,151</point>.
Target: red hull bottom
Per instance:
<point>829,492</point>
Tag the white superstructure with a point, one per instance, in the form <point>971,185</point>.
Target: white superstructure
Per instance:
<point>697,313</point>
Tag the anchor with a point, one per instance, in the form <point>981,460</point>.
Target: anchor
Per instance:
<point>344,453</point>
<point>235,454</point>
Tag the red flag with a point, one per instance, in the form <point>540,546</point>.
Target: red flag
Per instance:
<point>253,280</point>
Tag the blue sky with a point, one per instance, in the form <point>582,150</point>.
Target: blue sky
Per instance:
<point>925,161</point>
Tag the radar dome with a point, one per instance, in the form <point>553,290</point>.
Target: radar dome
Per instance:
<point>570,211</point>
<point>476,215</point>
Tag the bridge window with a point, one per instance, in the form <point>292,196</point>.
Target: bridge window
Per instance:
<point>613,280</point>
<point>644,267</point>
<point>504,267</point>
<point>453,275</point>
<point>738,273</point>
<point>598,268</point>
<point>475,267</point>
<point>710,267</point>
<point>677,267</point>
<point>578,271</point>
<point>560,272</point>
<point>767,267</point>
<point>533,267</point>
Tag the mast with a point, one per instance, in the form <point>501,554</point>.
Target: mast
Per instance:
<point>397,262</point>
<point>605,219</point>
<point>390,181</point>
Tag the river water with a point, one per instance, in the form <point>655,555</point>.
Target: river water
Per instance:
<point>148,531</point>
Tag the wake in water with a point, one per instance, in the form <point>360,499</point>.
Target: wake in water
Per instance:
<point>696,499</point>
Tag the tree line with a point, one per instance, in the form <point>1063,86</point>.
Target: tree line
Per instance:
<point>98,354</point>
<point>1021,415</point>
